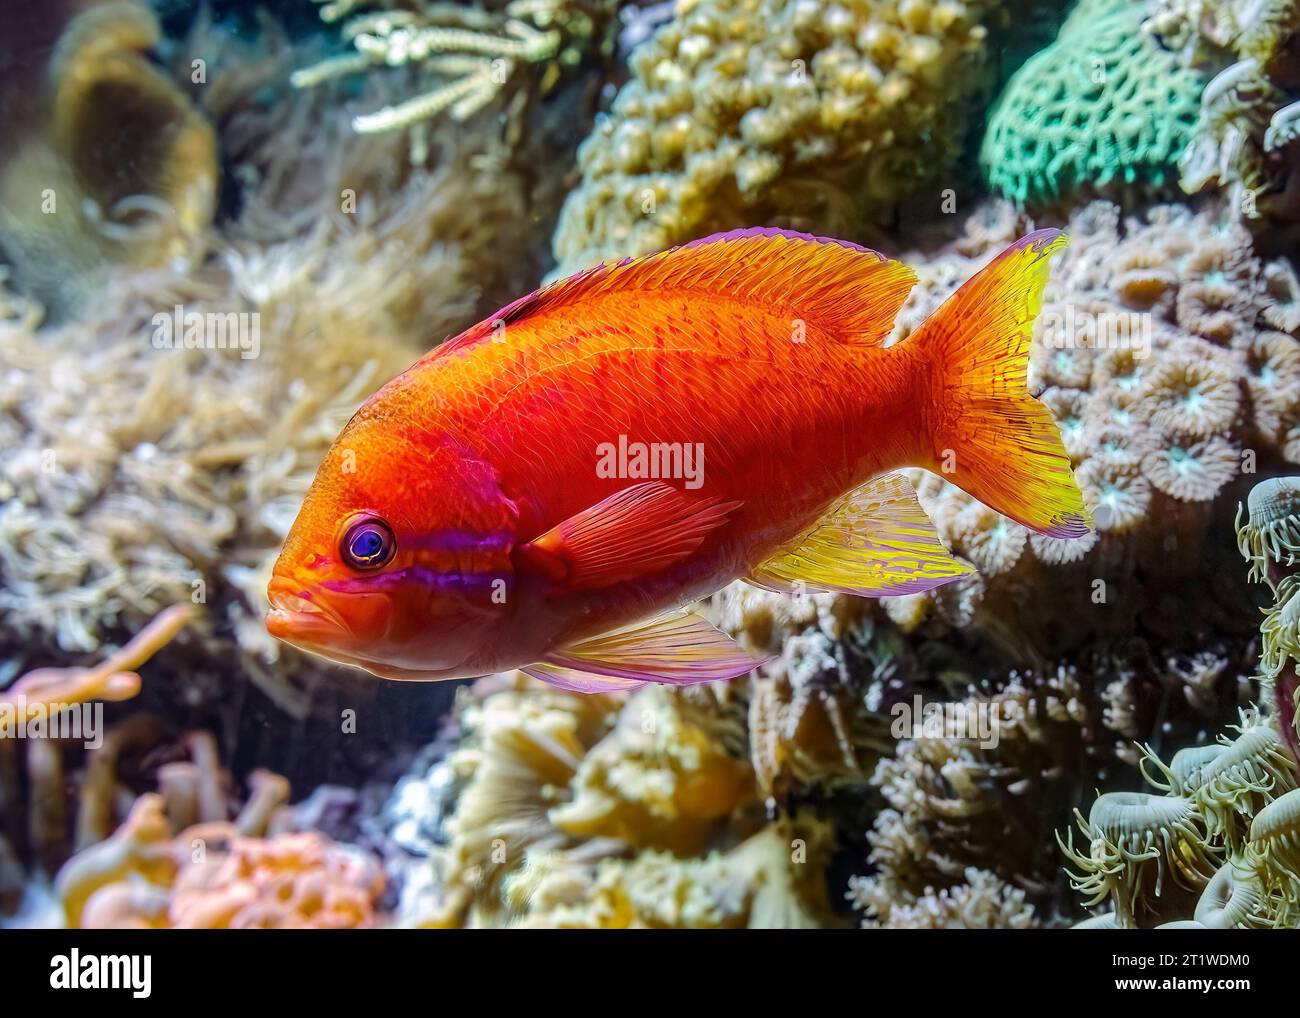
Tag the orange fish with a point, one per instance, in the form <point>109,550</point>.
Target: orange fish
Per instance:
<point>551,489</point>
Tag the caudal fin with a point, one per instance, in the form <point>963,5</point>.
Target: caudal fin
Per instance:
<point>989,436</point>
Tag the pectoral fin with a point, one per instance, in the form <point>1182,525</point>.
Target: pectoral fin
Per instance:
<point>680,649</point>
<point>874,542</point>
<point>634,532</point>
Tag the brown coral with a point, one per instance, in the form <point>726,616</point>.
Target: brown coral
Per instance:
<point>744,110</point>
<point>112,679</point>
<point>35,709</point>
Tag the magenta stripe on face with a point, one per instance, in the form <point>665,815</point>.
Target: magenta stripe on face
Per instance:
<point>446,581</point>
<point>458,542</point>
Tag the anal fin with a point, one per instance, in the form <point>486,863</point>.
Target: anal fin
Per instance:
<point>874,542</point>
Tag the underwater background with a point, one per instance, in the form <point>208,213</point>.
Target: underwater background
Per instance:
<point>1098,730</point>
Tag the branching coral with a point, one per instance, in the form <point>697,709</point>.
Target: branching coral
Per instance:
<point>475,54</point>
<point>1104,110</point>
<point>30,709</point>
<point>112,679</point>
<point>753,110</point>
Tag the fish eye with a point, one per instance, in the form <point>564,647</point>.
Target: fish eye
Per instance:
<point>368,543</point>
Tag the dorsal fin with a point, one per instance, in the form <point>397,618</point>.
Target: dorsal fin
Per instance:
<point>846,289</point>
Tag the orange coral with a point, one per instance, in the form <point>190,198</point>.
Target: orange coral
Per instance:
<point>114,679</point>
<point>212,876</point>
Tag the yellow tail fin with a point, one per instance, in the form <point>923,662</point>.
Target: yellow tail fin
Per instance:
<point>989,436</point>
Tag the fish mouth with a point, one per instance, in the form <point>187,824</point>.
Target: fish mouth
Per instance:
<point>297,617</point>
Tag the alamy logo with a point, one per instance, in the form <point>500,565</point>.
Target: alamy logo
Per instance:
<point>679,461</point>
<point>979,722</point>
<point>81,722</point>
<point>76,971</point>
<point>179,329</point>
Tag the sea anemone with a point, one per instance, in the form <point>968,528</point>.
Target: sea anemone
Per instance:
<point>1251,771</point>
<point>1135,842</point>
<point>1280,629</point>
<point>1270,532</point>
<point>1275,841</point>
<point>1233,899</point>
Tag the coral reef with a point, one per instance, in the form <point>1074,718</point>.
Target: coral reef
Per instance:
<point>142,471</point>
<point>1102,111</point>
<point>769,881</point>
<point>106,161</point>
<point>556,809</point>
<point>34,811</point>
<point>1215,845</point>
<point>894,764</point>
<point>1219,843</point>
<point>483,52</point>
<point>805,717</point>
<point>981,902</point>
<point>1244,141</point>
<point>1167,351</point>
<point>760,111</point>
<point>219,875</point>
<point>602,811</point>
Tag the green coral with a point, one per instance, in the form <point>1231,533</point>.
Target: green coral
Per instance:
<point>1103,110</point>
